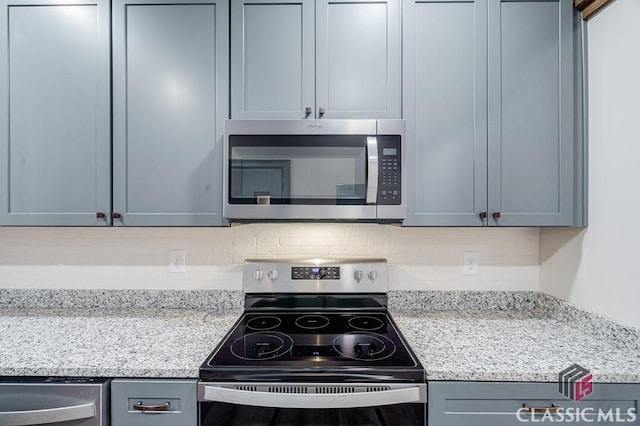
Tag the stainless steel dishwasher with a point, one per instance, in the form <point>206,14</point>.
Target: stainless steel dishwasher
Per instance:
<point>44,401</point>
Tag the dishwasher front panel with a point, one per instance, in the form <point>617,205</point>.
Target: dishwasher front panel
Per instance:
<point>52,401</point>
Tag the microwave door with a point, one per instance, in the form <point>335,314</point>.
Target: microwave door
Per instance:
<point>301,176</point>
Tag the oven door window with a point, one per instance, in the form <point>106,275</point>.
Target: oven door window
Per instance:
<point>295,169</point>
<point>218,413</point>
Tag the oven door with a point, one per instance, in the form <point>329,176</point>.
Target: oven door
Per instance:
<point>282,404</point>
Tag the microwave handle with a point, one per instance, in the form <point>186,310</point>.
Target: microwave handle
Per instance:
<point>372,174</point>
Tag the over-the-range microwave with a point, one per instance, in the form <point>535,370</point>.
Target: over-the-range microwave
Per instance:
<point>314,170</point>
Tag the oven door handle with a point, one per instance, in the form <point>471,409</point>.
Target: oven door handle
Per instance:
<point>372,169</point>
<point>313,400</point>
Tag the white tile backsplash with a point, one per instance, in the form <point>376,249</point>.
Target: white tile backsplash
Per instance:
<point>419,258</point>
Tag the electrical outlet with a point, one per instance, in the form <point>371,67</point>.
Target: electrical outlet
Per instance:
<point>470,263</point>
<point>177,261</point>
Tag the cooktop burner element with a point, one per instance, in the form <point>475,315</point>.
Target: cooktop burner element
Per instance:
<point>263,323</point>
<point>312,322</point>
<point>364,346</point>
<point>263,345</point>
<point>365,323</point>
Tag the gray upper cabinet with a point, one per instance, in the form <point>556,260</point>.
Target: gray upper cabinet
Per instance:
<point>531,124</point>
<point>445,105</point>
<point>55,113</point>
<point>490,107</point>
<point>272,59</point>
<point>322,59</point>
<point>170,99</point>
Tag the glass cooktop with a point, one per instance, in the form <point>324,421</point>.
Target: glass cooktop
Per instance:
<point>312,339</point>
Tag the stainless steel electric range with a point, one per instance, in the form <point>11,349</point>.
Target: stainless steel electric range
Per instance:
<point>314,346</point>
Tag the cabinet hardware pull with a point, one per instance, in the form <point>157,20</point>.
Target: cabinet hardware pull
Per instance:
<point>307,111</point>
<point>483,215</point>
<point>554,409</point>
<point>140,407</point>
<point>100,215</point>
<point>116,215</point>
<point>496,215</point>
<point>320,111</point>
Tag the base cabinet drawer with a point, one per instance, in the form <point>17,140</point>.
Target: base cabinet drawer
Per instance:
<point>149,402</point>
<point>521,403</point>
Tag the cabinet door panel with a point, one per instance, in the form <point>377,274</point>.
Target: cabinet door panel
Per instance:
<point>272,59</point>
<point>180,394</point>
<point>531,112</point>
<point>502,403</point>
<point>358,47</point>
<point>55,113</point>
<point>445,108</point>
<point>170,100</point>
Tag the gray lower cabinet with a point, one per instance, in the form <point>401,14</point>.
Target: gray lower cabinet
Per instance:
<point>315,59</point>
<point>154,402</point>
<point>493,109</point>
<point>55,153</point>
<point>513,403</point>
<point>170,99</point>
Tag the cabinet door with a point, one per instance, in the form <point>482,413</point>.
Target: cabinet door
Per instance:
<point>272,59</point>
<point>170,99</point>
<point>503,404</point>
<point>54,113</point>
<point>531,139</point>
<point>445,107</point>
<point>179,397</point>
<point>358,58</point>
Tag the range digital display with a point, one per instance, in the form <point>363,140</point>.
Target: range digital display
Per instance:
<point>315,273</point>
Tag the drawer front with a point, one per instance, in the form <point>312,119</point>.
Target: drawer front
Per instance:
<point>507,404</point>
<point>140,402</point>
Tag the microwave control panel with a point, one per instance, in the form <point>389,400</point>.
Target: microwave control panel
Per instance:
<point>390,170</point>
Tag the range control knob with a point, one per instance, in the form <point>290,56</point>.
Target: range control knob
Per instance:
<point>258,274</point>
<point>357,274</point>
<point>373,274</point>
<point>272,274</point>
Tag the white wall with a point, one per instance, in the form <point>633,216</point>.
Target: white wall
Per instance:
<point>420,258</point>
<point>599,268</point>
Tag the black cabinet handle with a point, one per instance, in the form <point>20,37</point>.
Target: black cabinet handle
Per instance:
<point>307,111</point>
<point>496,215</point>
<point>100,215</point>
<point>554,409</point>
<point>321,111</point>
<point>483,215</point>
<point>116,215</point>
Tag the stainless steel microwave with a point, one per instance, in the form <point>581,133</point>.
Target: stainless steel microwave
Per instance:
<point>314,170</point>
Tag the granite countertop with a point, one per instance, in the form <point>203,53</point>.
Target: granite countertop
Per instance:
<point>511,346</point>
<point>486,336</point>
<point>109,343</point>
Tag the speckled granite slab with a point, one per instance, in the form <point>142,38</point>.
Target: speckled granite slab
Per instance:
<point>536,303</point>
<point>514,345</point>
<point>491,336</point>
<point>218,300</point>
<point>109,342</point>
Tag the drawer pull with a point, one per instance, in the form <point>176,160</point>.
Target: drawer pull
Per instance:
<point>140,407</point>
<point>554,409</point>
